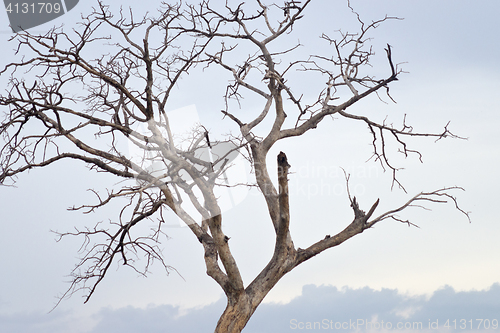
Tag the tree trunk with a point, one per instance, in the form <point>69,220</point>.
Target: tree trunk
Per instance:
<point>236,315</point>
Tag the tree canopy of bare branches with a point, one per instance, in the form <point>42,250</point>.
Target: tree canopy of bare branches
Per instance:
<point>80,94</point>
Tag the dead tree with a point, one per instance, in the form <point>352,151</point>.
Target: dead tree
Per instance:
<point>59,92</point>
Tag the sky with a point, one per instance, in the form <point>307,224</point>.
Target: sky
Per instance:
<point>448,269</point>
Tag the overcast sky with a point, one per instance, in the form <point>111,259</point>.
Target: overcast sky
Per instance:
<point>446,269</point>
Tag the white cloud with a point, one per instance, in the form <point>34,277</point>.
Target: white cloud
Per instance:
<point>331,308</point>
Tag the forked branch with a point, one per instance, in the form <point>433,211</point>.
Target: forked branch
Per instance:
<point>361,220</point>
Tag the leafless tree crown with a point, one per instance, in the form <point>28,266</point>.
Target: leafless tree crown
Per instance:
<point>82,94</point>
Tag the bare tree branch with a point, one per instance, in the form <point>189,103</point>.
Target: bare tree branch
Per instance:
<point>63,102</point>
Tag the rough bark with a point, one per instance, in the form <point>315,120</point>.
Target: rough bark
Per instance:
<point>114,103</point>
<point>238,311</point>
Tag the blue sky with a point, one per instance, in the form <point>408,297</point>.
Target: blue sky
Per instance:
<point>327,307</point>
<point>447,269</point>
